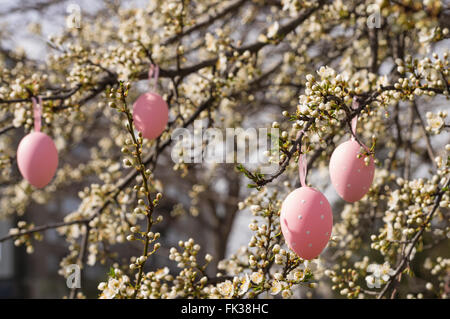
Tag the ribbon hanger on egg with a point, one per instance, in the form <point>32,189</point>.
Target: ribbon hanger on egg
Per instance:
<point>153,72</point>
<point>355,106</point>
<point>302,162</point>
<point>37,112</point>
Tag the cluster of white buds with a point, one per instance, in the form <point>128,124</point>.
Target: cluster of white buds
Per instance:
<point>436,122</point>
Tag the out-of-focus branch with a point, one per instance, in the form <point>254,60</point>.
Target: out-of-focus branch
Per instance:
<point>43,228</point>
<point>425,133</point>
<point>206,22</point>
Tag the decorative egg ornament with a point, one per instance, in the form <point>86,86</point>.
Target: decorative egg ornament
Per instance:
<point>37,156</point>
<point>150,115</point>
<point>37,159</point>
<point>350,175</point>
<point>306,222</point>
<point>306,218</point>
<point>150,111</point>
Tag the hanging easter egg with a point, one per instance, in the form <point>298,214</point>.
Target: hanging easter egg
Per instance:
<point>150,111</point>
<point>37,159</point>
<point>150,115</point>
<point>350,175</point>
<point>306,222</point>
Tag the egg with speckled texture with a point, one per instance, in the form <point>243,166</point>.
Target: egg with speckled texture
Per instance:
<point>350,176</point>
<point>306,222</point>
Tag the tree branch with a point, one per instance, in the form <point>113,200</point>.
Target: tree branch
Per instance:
<point>405,259</point>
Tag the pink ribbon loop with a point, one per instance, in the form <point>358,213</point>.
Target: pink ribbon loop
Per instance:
<point>153,72</point>
<point>302,163</point>
<point>37,112</point>
<point>355,105</point>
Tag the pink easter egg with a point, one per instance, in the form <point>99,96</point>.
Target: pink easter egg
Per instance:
<point>150,115</point>
<point>306,222</point>
<point>37,159</point>
<point>349,175</point>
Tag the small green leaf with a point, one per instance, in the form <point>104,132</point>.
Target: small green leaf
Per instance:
<point>111,272</point>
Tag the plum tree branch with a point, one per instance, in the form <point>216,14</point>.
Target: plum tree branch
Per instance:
<point>43,228</point>
<point>404,261</point>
